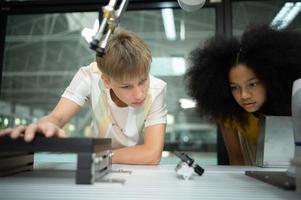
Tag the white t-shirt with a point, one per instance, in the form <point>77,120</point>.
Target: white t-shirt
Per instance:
<point>123,124</point>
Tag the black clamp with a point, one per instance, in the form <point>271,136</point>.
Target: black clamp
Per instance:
<point>187,166</point>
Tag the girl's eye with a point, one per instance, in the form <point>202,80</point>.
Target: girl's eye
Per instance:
<point>232,88</point>
<point>253,84</point>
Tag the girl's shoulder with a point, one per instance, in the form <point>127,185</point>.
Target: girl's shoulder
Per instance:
<point>249,130</point>
<point>252,121</point>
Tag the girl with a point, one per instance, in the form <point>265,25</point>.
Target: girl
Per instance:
<point>233,81</point>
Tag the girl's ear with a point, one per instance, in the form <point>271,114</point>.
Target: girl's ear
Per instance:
<point>106,80</point>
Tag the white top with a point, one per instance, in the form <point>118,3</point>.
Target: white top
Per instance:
<point>123,124</point>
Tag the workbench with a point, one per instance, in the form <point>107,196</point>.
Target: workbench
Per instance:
<point>127,182</point>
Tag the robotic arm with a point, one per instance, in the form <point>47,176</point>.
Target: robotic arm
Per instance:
<point>111,18</point>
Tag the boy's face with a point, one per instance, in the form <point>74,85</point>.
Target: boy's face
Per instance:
<point>128,93</point>
<point>248,91</point>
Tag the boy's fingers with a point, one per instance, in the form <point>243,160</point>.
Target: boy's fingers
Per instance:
<point>61,133</point>
<point>50,131</point>
<point>5,131</point>
<point>30,132</point>
<point>17,132</point>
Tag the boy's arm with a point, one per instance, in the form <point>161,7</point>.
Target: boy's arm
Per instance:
<point>50,125</point>
<point>232,144</point>
<point>148,153</point>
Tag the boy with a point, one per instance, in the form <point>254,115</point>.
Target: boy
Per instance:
<point>128,104</point>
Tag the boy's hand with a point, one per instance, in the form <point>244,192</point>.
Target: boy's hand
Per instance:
<point>28,132</point>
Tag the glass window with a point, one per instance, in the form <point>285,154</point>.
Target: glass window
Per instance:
<point>258,12</point>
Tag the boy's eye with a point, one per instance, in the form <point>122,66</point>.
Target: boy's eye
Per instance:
<point>142,81</point>
<point>125,86</point>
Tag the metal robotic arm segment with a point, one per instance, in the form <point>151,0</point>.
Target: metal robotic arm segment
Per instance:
<point>191,5</point>
<point>111,18</point>
<point>110,21</point>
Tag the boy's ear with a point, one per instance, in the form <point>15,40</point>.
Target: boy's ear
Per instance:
<point>106,81</point>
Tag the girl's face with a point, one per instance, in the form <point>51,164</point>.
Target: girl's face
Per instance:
<point>248,91</point>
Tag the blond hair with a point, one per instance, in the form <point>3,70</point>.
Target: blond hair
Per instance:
<point>126,57</point>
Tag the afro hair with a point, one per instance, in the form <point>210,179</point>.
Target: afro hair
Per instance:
<point>274,55</point>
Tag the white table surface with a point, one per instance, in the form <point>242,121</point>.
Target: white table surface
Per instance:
<point>144,182</point>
